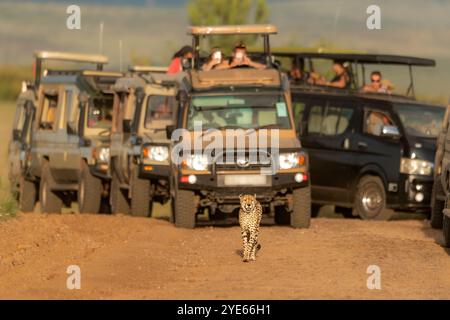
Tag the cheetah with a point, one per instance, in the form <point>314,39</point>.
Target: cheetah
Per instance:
<point>250,214</point>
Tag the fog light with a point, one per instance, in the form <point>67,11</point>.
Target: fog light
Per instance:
<point>192,179</point>
<point>419,197</point>
<point>298,177</point>
<point>419,187</point>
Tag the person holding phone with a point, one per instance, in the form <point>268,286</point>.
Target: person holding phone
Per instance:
<point>239,58</point>
<point>214,59</point>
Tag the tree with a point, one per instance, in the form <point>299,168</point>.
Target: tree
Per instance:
<point>227,12</point>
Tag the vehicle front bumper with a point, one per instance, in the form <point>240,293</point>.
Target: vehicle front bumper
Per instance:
<point>414,193</point>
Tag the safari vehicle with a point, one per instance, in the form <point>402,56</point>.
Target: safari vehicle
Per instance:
<point>224,103</point>
<point>145,102</point>
<point>369,152</point>
<point>69,146</point>
<point>438,191</point>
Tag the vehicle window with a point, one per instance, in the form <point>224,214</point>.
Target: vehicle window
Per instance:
<point>48,115</point>
<point>375,120</point>
<point>329,120</point>
<point>421,120</point>
<point>298,109</point>
<point>159,108</point>
<point>100,112</point>
<point>239,111</point>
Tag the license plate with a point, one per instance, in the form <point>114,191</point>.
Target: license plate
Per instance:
<point>245,180</point>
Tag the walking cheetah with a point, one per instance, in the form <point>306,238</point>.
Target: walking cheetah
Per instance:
<point>249,219</point>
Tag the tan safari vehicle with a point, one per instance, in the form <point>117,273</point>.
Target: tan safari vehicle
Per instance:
<point>144,106</point>
<point>235,105</point>
<point>67,149</point>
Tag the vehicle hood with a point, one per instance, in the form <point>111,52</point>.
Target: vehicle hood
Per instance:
<point>287,139</point>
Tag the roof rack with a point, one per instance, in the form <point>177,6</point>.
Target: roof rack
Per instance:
<point>148,69</point>
<point>362,59</point>
<point>232,29</point>
<point>42,56</point>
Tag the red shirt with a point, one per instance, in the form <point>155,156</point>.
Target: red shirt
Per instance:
<point>175,66</point>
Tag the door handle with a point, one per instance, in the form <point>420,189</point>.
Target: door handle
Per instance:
<point>362,145</point>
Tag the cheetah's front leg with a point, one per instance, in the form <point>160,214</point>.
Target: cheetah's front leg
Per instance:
<point>245,245</point>
<point>253,243</point>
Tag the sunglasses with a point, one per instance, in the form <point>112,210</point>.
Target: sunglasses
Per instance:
<point>376,80</point>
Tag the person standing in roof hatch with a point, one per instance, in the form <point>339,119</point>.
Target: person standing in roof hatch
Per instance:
<point>176,65</point>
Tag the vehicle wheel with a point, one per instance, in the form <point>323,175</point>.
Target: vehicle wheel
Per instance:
<point>185,209</point>
<point>437,206</point>
<point>27,195</point>
<point>301,213</point>
<point>282,216</point>
<point>370,200</point>
<point>89,191</point>
<point>141,198</point>
<point>446,231</point>
<point>119,199</point>
<point>50,202</point>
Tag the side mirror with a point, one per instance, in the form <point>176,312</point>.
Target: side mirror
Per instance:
<point>390,131</point>
<point>181,97</point>
<point>169,130</point>
<point>126,124</point>
<point>17,135</point>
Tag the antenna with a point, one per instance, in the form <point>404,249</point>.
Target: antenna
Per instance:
<point>100,42</point>
<point>120,55</point>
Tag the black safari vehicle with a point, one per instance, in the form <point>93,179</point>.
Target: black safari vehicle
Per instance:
<point>368,151</point>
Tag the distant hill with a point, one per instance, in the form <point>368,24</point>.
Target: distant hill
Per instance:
<point>151,30</point>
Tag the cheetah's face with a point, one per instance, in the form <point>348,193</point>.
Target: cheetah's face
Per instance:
<point>248,202</point>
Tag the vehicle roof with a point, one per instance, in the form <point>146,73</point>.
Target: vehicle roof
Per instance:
<point>153,69</point>
<point>362,58</point>
<point>381,97</point>
<point>124,84</point>
<point>201,80</point>
<point>71,56</point>
<point>233,29</point>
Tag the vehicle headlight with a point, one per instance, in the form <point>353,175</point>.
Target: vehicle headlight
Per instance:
<point>414,166</point>
<point>291,160</point>
<point>156,153</point>
<point>103,155</point>
<point>197,162</point>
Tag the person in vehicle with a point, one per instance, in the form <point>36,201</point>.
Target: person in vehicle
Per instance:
<point>214,59</point>
<point>375,122</point>
<point>340,80</point>
<point>297,74</point>
<point>376,84</point>
<point>239,58</point>
<point>175,66</point>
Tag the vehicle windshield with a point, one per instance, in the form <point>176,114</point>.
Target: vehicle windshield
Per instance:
<point>100,112</point>
<point>239,111</point>
<point>420,120</point>
<point>158,108</point>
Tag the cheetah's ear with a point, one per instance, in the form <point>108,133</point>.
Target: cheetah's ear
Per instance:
<point>240,196</point>
<point>255,196</point>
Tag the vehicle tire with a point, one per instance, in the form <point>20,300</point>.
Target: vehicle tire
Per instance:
<point>282,216</point>
<point>119,199</point>
<point>141,197</point>
<point>27,195</point>
<point>370,200</point>
<point>50,202</point>
<point>185,209</point>
<point>437,206</point>
<point>446,231</point>
<point>301,209</point>
<point>89,191</point>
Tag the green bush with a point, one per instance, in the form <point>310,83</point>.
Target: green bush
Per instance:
<point>11,78</point>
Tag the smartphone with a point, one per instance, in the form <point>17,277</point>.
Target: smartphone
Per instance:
<point>217,56</point>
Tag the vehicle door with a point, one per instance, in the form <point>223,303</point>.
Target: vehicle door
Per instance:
<point>328,126</point>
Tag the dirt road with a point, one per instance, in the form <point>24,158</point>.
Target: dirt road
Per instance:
<point>126,257</point>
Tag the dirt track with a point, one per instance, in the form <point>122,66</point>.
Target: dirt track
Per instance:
<point>125,257</point>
